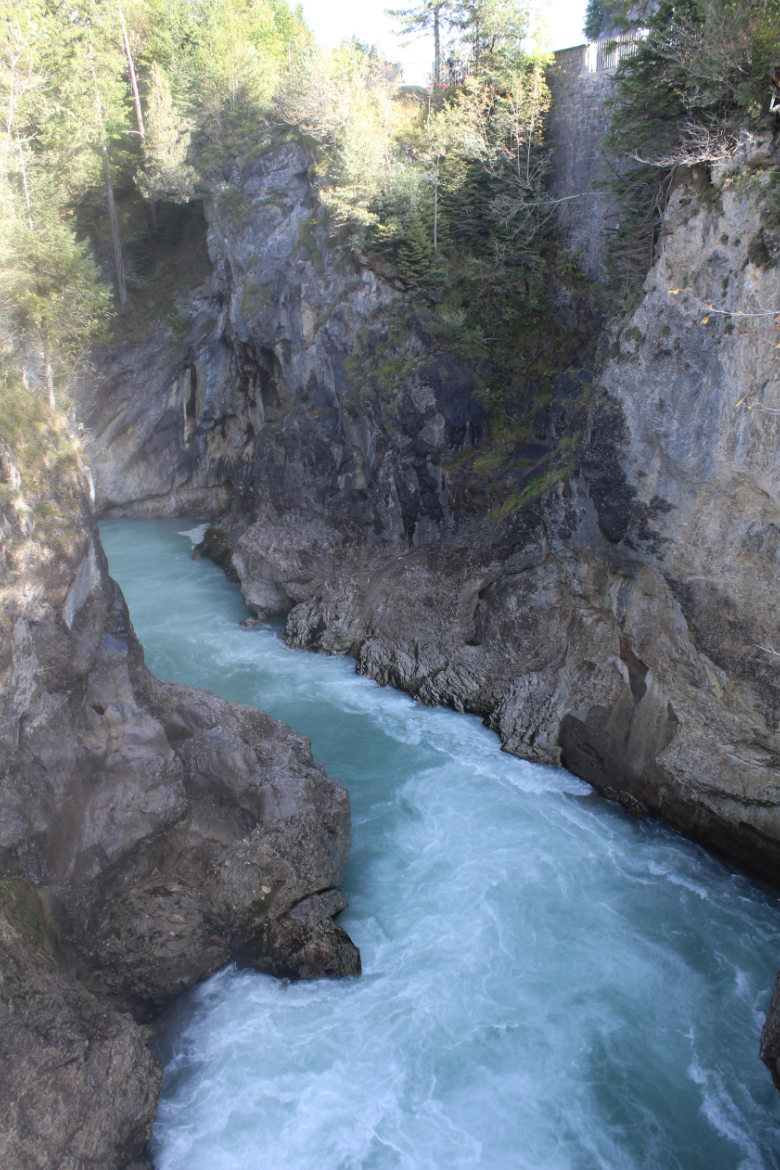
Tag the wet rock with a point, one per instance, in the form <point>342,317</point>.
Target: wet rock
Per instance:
<point>79,1085</point>
<point>770,1037</point>
<point>149,833</point>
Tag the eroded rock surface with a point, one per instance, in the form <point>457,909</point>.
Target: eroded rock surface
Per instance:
<point>620,622</point>
<point>603,596</point>
<point>149,833</point>
<point>770,1037</point>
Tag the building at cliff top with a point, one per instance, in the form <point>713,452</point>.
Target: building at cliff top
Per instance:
<point>580,81</point>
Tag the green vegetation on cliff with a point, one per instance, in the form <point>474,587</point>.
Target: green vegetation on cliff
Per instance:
<point>101,106</point>
<point>119,121</point>
<point>701,76</point>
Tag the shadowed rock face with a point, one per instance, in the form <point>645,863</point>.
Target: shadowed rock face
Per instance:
<point>149,834</point>
<point>770,1037</point>
<point>620,622</point>
<point>79,1085</point>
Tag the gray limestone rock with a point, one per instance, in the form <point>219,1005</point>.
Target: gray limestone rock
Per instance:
<point>149,833</point>
<point>623,622</point>
<point>770,1036</point>
<point>79,1087</point>
<point>620,621</point>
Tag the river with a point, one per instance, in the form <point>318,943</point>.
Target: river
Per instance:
<point>548,984</point>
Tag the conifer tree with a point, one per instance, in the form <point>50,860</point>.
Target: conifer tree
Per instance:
<point>87,107</point>
<point>137,109</point>
<point>167,174</point>
<point>52,294</point>
<point>426,16</point>
<point>414,256</point>
<point>52,301</point>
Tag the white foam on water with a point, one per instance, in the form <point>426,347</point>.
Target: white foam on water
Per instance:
<point>196,534</point>
<point>548,984</point>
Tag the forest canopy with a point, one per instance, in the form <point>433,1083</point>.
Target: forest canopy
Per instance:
<point>114,113</point>
<point>100,105</point>
<point>700,77</point>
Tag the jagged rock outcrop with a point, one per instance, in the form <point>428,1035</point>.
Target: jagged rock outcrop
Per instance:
<point>148,834</point>
<point>614,614</point>
<point>176,425</point>
<point>770,1036</point>
<point>601,589</point>
<point>620,621</point>
<point>623,623</point>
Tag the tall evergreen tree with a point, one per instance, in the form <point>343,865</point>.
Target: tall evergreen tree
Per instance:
<point>426,16</point>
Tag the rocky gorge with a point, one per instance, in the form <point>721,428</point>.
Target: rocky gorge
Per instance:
<point>592,574</point>
<point>150,833</point>
<point>594,579</point>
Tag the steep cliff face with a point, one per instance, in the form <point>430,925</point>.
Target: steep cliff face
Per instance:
<point>148,834</point>
<point>265,396</point>
<point>623,622</point>
<point>598,587</point>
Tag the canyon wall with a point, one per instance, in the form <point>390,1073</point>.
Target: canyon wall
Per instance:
<point>580,80</point>
<point>149,833</point>
<point>596,580</point>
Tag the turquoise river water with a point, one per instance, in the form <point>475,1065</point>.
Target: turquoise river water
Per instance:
<point>548,984</point>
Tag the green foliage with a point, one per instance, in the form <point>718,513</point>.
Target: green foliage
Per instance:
<point>166,173</point>
<point>415,254</point>
<point>540,483</point>
<point>698,78</point>
<point>758,251</point>
<point>37,442</point>
<point>446,195</point>
<point>594,19</point>
<point>444,192</point>
<point>606,17</point>
<point>52,295</point>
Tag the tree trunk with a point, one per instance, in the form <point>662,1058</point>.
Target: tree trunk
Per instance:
<point>48,373</point>
<point>139,116</point>
<point>25,188</point>
<point>119,263</point>
<point>436,48</point>
<point>436,207</point>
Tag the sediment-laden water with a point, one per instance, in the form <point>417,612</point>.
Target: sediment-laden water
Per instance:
<point>548,984</point>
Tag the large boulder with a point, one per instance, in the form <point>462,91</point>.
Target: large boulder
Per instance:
<point>149,834</point>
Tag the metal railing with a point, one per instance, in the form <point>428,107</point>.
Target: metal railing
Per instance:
<point>607,52</point>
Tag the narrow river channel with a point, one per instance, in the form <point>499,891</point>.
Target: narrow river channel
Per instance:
<point>548,984</point>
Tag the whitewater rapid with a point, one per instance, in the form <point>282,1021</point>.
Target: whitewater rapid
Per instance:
<point>547,983</point>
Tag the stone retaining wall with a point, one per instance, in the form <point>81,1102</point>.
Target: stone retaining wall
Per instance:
<point>580,82</point>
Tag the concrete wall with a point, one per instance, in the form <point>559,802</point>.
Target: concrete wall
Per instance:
<point>580,81</point>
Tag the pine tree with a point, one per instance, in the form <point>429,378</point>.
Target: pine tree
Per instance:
<point>137,109</point>
<point>88,107</point>
<point>427,16</point>
<point>167,174</point>
<point>415,254</point>
<point>53,298</point>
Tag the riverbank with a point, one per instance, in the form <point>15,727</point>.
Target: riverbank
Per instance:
<point>545,981</point>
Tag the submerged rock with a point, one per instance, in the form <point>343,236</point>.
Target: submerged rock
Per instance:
<point>149,834</point>
<point>770,1036</point>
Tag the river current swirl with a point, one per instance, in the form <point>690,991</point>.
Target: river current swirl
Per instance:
<point>548,984</point>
